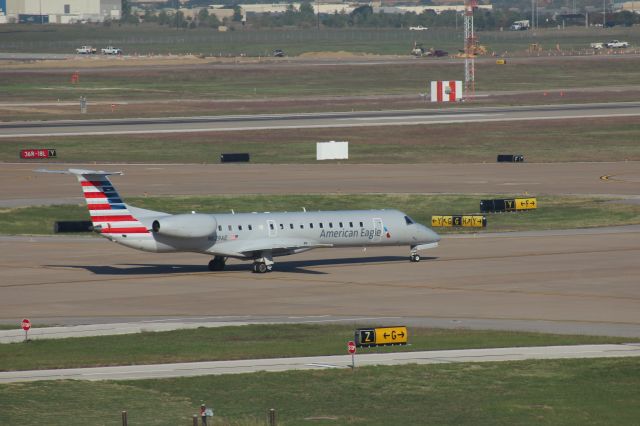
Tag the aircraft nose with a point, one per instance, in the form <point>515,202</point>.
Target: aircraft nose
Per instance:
<point>429,235</point>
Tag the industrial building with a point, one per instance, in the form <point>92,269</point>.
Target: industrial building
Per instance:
<point>59,11</point>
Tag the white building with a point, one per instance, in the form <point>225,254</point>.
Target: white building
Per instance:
<point>60,11</point>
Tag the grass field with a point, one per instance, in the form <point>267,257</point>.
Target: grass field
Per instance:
<point>295,79</point>
<point>552,213</point>
<point>253,341</point>
<point>145,39</point>
<point>603,139</point>
<point>549,392</point>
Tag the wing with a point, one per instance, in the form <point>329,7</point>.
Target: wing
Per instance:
<point>277,246</point>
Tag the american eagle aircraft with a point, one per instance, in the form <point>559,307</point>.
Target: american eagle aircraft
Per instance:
<point>248,236</point>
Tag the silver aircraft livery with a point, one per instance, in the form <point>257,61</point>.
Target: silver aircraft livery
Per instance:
<point>248,236</point>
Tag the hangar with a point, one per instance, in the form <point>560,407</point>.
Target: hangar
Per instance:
<point>59,11</point>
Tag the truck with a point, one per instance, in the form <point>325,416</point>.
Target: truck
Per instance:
<point>86,50</point>
<point>520,25</point>
<point>110,50</point>
<point>616,44</point>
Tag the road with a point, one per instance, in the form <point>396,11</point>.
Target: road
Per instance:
<point>191,369</point>
<point>314,120</point>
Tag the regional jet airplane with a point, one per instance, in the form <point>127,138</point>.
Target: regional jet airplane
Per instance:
<point>249,236</point>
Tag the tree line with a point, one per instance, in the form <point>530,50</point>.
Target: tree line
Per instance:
<point>363,17</point>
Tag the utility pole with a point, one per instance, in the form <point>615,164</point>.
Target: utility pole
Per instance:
<point>604,14</point>
<point>533,14</point>
<point>469,50</point>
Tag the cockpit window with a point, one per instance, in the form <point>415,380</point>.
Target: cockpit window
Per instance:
<point>408,220</point>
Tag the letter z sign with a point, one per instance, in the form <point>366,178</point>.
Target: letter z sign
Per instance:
<point>381,336</point>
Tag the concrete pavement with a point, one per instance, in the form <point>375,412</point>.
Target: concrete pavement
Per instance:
<point>191,369</point>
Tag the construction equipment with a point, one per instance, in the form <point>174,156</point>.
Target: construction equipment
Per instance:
<point>418,50</point>
<point>535,48</point>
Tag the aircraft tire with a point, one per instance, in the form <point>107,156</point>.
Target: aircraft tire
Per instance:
<point>414,257</point>
<point>261,268</point>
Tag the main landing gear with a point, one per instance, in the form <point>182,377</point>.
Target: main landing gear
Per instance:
<point>261,268</point>
<point>263,264</point>
<point>217,264</point>
<point>414,257</point>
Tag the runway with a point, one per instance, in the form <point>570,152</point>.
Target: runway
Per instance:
<point>315,120</point>
<point>23,187</point>
<point>192,369</point>
<point>562,278</point>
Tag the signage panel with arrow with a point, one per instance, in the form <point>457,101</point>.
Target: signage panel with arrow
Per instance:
<point>381,336</point>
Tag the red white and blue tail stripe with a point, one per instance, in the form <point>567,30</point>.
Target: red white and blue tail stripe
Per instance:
<point>109,214</point>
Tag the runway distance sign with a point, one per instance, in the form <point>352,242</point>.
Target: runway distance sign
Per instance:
<point>526,204</point>
<point>508,205</point>
<point>466,221</point>
<point>381,336</point>
<point>31,154</point>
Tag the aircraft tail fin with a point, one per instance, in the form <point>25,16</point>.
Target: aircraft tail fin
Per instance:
<point>109,214</point>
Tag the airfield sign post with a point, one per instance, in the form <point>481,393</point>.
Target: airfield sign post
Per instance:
<point>351,347</point>
<point>26,325</point>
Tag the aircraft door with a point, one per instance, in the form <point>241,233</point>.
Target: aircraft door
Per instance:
<point>271,228</point>
<point>378,229</point>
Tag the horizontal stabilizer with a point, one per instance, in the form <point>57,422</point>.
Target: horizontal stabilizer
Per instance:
<point>80,172</point>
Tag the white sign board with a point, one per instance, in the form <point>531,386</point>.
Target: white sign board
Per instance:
<point>446,91</point>
<point>332,150</point>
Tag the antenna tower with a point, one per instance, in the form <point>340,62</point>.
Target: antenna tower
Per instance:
<point>470,43</point>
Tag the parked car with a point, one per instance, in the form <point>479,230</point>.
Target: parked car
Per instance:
<point>86,50</point>
<point>418,28</point>
<point>110,50</point>
<point>616,44</point>
<point>278,53</point>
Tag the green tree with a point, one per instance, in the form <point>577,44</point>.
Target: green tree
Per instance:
<point>307,14</point>
<point>237,13</point>
<point>360,15</point>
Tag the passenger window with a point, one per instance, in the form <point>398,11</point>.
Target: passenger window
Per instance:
<point>230,227</point>
<point>219,227</point>
<point>282,226</point>
<point>408,220</point>
<point>250,227</point>
<point>311,225</point>
<point>291,225</point>
<point>361,225</point>
<point>271,226</point>
<point>239,227</point>
<point>350,224</point>
<point>340,224</point>
<point>301,226</point>
<point>330,225</point>
<point>321,225</point>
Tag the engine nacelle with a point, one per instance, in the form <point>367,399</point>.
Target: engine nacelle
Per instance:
<point>185,225</point>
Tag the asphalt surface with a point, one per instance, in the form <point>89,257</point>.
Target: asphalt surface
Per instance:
<point>314,120</point>
<point>22,187</point>
<point>559,281</point>
<point>191,369</point>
